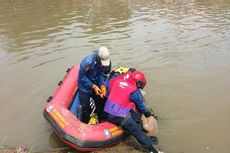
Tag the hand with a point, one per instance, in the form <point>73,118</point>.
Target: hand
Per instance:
<point>103,90</point>
<point>147,113</point>
<point>96,89</point>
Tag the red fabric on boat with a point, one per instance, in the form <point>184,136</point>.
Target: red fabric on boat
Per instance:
<point>81,136</point>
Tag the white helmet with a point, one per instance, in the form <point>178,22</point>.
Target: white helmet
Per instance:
<point>103,53</point>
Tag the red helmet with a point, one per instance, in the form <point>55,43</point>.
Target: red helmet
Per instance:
<point>139,78</point>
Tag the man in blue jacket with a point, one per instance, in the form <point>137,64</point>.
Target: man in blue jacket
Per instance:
<point>91,81</point>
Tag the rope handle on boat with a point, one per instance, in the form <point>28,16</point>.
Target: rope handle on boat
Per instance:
<point>49,99</point>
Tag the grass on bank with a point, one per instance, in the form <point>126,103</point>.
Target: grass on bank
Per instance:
<point>2,145</point>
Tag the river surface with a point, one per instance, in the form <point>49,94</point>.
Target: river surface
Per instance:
<point>183,47</point>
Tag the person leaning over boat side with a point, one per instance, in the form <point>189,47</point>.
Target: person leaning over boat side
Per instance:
<point>91,81</point>
<point>122,110</point>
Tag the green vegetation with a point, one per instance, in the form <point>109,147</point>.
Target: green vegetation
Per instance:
<point>2,145</point>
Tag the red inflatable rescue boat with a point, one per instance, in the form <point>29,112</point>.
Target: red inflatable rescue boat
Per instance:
<point>80,136</point>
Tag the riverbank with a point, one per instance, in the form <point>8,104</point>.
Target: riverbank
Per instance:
<point>129,145</point>
<point>21,149</point>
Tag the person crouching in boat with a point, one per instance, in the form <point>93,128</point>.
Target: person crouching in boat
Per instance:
<point>91,81</point>
<point>124,99</point>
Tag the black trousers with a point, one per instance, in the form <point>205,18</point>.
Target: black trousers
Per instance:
<point>132,125</point>
<point>84,99</point>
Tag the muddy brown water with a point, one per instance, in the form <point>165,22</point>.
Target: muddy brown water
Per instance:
<point>181,45</point>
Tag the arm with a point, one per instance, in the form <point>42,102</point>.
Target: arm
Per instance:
<point>83,75</point>
<point>101,80</point>
<point>138,99</point>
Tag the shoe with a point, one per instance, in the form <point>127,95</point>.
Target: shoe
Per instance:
<point>157,152</point>
<point>154,140</point>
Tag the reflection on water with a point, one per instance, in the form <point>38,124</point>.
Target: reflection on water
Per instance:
<point>181,45</point>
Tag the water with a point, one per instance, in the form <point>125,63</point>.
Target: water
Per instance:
<point>181,45</point>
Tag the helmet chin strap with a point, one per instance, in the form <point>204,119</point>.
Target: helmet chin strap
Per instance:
<point>139,84</point>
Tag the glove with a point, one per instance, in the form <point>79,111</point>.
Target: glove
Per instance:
<point>147,113</point>
<point>96,89</point>
<point>154,140</point>
<point>103,90</point>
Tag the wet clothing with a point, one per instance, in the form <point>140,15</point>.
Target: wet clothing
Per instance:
<point>120,108</point>
<point>90,73</point>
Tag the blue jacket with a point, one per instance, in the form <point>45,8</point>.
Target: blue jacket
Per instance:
<point>90,73</point>
<point>138,99</point>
